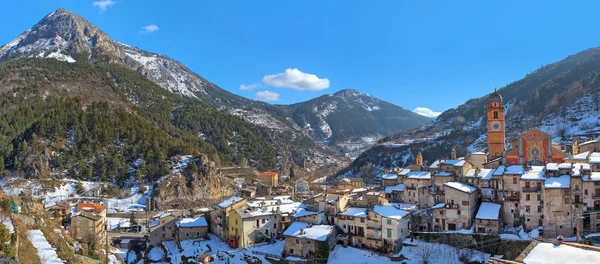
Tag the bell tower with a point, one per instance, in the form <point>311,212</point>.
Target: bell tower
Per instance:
<point>496,131</point>
<point>419,159</point>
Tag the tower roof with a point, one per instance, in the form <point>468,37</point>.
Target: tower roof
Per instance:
<point>495,96</point>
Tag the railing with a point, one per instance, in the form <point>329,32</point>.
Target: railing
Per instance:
<point>596,196</point>
<point>374,228</point>
<point>512,198</point>
<point>452,206</point>
<point>531,189</point>
<point>593,209</point>
<point>576,191</point>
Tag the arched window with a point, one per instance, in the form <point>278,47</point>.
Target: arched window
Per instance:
<point>495,114</point>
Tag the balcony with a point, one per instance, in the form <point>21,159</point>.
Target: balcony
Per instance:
<point>531,189</point>
<point>593,209</point>
<point>578,201</point>
<point>596,196</point>
<point>410,187</point>
<point>512,198</point>
<point>452,206</point>
<point>376,228</point>
<point>576,191</point>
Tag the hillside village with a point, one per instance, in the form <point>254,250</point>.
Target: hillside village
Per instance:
<point>494,207</point>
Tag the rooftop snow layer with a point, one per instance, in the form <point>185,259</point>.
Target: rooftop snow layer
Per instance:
<point>419,175</point>
<point>390,211</point>
<point>558,182</point>
<point>489,211</point>
<point>390,189</point>
<point>355,212</point>
<point>229,201</point>
<point>306,230</point>
<point>461,187</point>
<point>192,222</point>
<point>549,253</point>
<point>514,169</point>
<point>390,176</point>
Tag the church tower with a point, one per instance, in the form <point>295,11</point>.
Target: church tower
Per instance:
<point>496,130</point>
<point>419,159</point>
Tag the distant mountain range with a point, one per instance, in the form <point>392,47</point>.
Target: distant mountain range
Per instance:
<point>64,56</point>
<point>562,98</point>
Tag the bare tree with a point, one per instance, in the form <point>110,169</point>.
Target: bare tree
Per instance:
<point>425,252</point>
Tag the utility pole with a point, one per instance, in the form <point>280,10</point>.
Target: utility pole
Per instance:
<point>578,217</point>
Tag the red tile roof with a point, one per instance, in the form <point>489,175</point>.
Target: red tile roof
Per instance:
<point>96,207</point>
<point>4,196</point>
<point>268,174</point>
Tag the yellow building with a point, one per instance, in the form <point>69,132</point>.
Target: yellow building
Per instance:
<point>269,178</point>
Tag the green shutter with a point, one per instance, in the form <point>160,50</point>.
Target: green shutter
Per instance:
<point>389,233</point>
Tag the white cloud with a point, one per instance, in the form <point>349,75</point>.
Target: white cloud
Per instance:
<point>103,4</point>
<point>424,111</point>
<point>266,96</point>
<point>150,28</point>
<point>295,79</point>
<point>249,87</point>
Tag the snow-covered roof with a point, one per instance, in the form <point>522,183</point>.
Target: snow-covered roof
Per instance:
<point>562,182</point>
<point>405,206</point>
<point>390,189</point>
<point>470,173</point>
<point>489,211</point>
<point>478,153</point>
<point>435,165</point>
<point>552,167</point>
<point>154,223</point>
<point>390,176</point>
<point>535,173</point>
<point>438,206</point>
<point>499,171</point>
<point>192,222</point>
<point>389,211</point>
<point>355,212</point>
<point>161,215</point>
<point>305,230</point>
<point>589,142</point>
<point>443,174</point>
<point>419,175</point>
<point>514,169</point>
<point>301,212</point>
<point>564,166</point>
<point>549,253</point>
<point>456,162</point>
<point>229,201</point>
<point>594,176</point>
<point>485,174</point>
<point>461,187</point>
<point>581,156</point>
<point>594,158</point>
<point>403,172</point>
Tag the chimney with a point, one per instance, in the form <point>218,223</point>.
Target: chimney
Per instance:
<point>302,231</point>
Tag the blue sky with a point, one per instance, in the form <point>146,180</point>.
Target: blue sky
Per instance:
<point>435,54</point>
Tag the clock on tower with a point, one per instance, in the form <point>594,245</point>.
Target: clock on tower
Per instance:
<point>496,130</point>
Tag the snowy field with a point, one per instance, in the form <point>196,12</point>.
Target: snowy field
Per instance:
<point>548,253</point>
<point>439,253</point>
<point>521,234</point>
<point>45,251</point>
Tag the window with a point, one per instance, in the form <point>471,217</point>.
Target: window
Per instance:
<point>540,209</point>
<point>389,221</point>
<point>528,219</point>
<point>539,196</point>
<point>566,200</point>
<point>495,114</point>
<point>465,203</point>
<point>297,241</point>
<point>528,209</point>
<point>362,220</point>
<point>526,184</point>
<point>585,192</point>
<point>527,197</point>
<point>437,220</point>
<point>389,233</point>
<point>441,212</point>
<point>344,226</point>
<point>458,212</point>
<point>291,251</point>
<point>515,180</point>
<point>263,221</point>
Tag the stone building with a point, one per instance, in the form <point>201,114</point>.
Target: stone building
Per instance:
<point>305,240</point>
<point>189,228</point>
<point>219,216</point>
<point>270,178</point>
<point>557,207</point>
<point>89,220</point>
<point>461,205</point>
<point>531,203</point>
<point>416,190</point>
<point>489,218</point>
<point>162,227</point>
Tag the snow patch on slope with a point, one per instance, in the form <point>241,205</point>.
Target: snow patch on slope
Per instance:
<point>424,111</point>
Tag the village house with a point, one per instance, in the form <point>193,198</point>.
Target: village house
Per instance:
<point>189,228</point>
<point>353,221</point>
<point>270,178</point>
<point>395,194</point>
<point>489,218</point>
<point>58,210</point>
<point>390,225</point>
<point>308,241</point>
<point>557,207</point>
<point>461,205</point>
<point>89,221</point>
<point>162,227</point>
<point>350,183</point>
<point>389,179</point>
<point>416,188</point>
<point>511,193</point>
<point>313,217</point>
<point>438,214</point>
<point>219,216</point>
<point>531,203</point>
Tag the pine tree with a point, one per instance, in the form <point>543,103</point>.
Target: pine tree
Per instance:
<point>292,173</point>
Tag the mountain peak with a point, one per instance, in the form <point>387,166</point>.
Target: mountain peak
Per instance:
<point>347,92</point>
<point>63,34</point>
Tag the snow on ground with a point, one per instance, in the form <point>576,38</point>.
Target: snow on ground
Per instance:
<point>519,234</point>
<point>440,253</point>
<point>193,248</point>
<point>548,253</point>
<point>7,222</point>
<point>45,251</point>
<point>115,222</point>
<point>121,252</point>
<point>156,254</point>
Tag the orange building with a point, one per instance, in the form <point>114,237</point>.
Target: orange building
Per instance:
<point>496,126</point>
<point>269,178</point>
<point>533,148</point>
